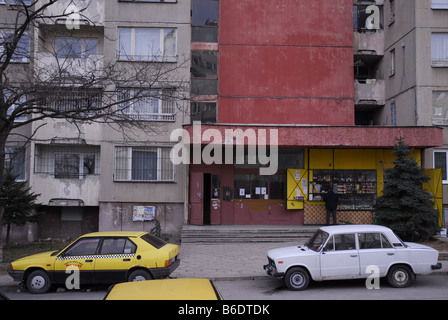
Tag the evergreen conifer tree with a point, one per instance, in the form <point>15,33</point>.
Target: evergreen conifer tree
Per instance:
<point>404,206</point>
<point>18,203</point>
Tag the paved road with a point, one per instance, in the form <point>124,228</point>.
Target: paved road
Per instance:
<point>433,287</point>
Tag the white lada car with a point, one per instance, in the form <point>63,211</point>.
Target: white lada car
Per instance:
<point>350,252</point>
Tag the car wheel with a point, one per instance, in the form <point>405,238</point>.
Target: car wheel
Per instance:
<point>297,279</point>
<point>139,275</point>
<point>38,282</point>
<point>400,276</point>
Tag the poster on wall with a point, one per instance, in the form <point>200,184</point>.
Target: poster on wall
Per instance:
<point>143,213</point>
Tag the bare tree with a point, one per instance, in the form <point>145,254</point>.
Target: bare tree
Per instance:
<point>52,84</point>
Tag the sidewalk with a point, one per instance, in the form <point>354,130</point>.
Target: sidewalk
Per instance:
<point>233,260</point>
<point>227,261</point>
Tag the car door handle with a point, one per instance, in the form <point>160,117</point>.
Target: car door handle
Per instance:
<point>89,260</point>
<point>353,255</point>
<point>126,259</point>
<point>390,254</point>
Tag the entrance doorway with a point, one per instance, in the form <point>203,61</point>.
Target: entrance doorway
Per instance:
<point>205,199</point>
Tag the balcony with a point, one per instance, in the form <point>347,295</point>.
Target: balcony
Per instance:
<point>49,66</point>
<point>70,172</point>
<point>80,12</point>
<point>370,93</point>
<point>369,42</point>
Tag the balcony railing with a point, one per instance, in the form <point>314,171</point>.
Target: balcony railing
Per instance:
<point>47,64</point>
<point>369,42</point>
<point>370,92</point>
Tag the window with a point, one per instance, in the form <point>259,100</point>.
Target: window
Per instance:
<point>341,242</point>
<point>153,240</point>
<point>16,2</point>
<point>204,72</point>
<point>440,162</point>
<point>155,105</point>
<point>73,165</point>
<point>19,102</point>
<point>440,107</point>
<point>393,113</point>
<point>288,159</point>
<point>67,162</point>
<point>83,247</point>
<point>364,17</point>
<point>147,44</point>
<point>22,50</point>
<point>356,189</point>
<point>76,47</point>
<point>439,49</point>
<point>204,21</point>
<point>15,162</point>
<point>373,241</point>
<point>392,62</point>
<point>118,246</point>
<point>317,240</point>
<point>439,4</point>
<point>254,186</point>
<point>146,164</point>
<point>204,64</point>
<point>203,111</point>
<point>392,11</point>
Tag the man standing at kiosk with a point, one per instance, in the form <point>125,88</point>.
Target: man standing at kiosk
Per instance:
<point>331,204</point>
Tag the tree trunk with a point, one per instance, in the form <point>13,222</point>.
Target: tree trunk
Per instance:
<point>3,137</point>
<point>8,233</point>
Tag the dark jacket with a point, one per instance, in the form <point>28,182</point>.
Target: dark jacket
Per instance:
<point>331,200</point>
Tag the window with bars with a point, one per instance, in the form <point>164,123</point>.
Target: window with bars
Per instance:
<point>71,99</point>
<point>67,162</point>
<point>148,105</point>
<point>147,164</point>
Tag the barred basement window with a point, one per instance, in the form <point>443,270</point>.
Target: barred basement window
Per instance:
<point>147,164</point>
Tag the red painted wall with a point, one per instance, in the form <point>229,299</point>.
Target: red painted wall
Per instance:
<point>286,62</point>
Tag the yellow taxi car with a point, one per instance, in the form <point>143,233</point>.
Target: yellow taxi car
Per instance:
<point>96,258</point>
<point>167,289</point>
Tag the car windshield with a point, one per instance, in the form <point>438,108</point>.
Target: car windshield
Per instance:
<point>317,240</point>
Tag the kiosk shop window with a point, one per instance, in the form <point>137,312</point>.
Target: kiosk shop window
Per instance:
<point>356,188</point>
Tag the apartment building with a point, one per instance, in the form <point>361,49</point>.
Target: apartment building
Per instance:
<point>326,85</point>
<point>401,70</point>
<point>288,68</point>
<point>102,175</point>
